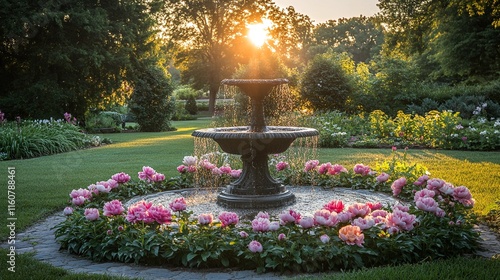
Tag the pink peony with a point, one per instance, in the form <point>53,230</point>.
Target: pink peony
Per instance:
<point>264,215</point>
<point>158,177</point>
<point>121,177</point>
<point>182,168</point>
<point>334,206</point>
<point>191,169</point>
<point>324,238</point>
<point>207,164</point>
<point>427,204</point>
<point>179,204</point>
<point>243,234</point>
<point>138,212</point>
<point>216,171</point>
<point>423,193</point>
<point>274,226</point>
<point>102,188</point>
<point>190,160</point>
<point>281,237</point>
<point>324,217</point>
<point>447,189</point>
<point>68,211</point>
<point>306,222</point>
<point>344,217</point>
<point>359,210</point>
<point>323,168</point>
<point>401,220</point>
<point>361,169</point>
<point>363,223</point>
<point>401,207</point>
<point>374,206</point>
<point>397,186</point>
<point>462,194</point>
<point>352,235</point>
<point>85,193</point>
<point>228,218</point>
<point>382,178</point>
<point>205,219</point>
<point>91,214</point>
<point>255,247</point>
<point>336,169</point>
<point>160,214</point>
<point>310,165</point>
<point>289,216</point>
<point>260,224</point>
<point>235,173</point>
<point>113,208</point>
<point>282,165</point>
<point>435,184</point>
<point>421,180</point>
<point>79,200</point>
<point>226,169</point>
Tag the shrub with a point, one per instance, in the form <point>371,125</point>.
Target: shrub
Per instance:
<point>151,100</point>
<point>191,106</point>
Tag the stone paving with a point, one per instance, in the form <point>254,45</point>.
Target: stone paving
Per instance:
<point>40,240</point>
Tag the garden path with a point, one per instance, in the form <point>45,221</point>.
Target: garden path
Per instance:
<point>39,239</point>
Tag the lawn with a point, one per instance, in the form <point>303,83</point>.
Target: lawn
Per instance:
<point>43,184</point>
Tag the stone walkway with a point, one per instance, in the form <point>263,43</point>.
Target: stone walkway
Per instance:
<point>40,240</point>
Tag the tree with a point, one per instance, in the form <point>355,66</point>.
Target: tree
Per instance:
<point>360,36</point>
<point>326,83</point>
<point>71,55</point>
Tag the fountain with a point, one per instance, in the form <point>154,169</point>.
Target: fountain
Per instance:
<point>255,188</point>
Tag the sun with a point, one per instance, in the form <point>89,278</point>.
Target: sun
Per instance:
<point>258,33</point>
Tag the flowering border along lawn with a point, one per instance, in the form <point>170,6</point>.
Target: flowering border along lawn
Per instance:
<point>436,222</point>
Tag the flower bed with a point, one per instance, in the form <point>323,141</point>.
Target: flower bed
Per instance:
<point>436,222</point>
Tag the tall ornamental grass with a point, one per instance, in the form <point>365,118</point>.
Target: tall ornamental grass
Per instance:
<point>29,139</point>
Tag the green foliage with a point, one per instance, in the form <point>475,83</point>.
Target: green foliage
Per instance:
<point>191,106</point>
<point>185,92</point>
<point>151,101</point>
<point>326,83</point>
<point>63,55</point>
<point>30,139</point>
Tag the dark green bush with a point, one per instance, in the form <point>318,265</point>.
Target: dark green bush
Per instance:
<point>191,106</point>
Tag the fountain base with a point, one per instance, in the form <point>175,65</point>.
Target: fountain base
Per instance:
<point>230,200</point>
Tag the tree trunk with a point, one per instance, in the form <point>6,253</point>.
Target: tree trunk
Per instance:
<point>214,88</point>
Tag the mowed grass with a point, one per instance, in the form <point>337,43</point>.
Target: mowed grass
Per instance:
<point>43,184</point>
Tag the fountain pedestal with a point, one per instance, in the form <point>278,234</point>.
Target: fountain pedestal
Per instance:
<point>255,188</point>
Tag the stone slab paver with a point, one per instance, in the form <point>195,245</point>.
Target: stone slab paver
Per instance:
<point>40,240</point>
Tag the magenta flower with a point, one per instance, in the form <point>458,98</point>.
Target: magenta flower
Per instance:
<point>374,206</point>
<point>282,165</point>
<point>281,237</point>
<point>323,168</point>
<point>311,165</point>
<point>235,173</point>
<point>146,174</point>
<point>334,206</point>
<point>121,177</point>
<point>243,234</point>
<point>260,224</point>
<point>324,238</point>
<point>421,180</point>
<point>401,207</point>
<point>68,211</point>
<point>344,217</point>
<point>113,208</point>
<point>91,214</point>
<point>158,177</point>
<point>160,214</point>
<point>81,192</point>
<point>289,216</point>
<point>352,235</point>
<point>397,186</point>
<point>324,217</point>
<point>382,178</point>
<point>225,169</point>
<point>435,184</point>
<point>228,218</point>
<point>361,169</point>
<point>255,246</point>
<point>191,169</point>
<point>182,168</point>
<point>207,164</point>
<point>179,204</point>
<point>205,219</point>
<point>423,193</point>
<point>264,215</point>
<point>336,169</point>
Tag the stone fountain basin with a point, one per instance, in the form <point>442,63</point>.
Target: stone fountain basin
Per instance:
<point>240,140</point>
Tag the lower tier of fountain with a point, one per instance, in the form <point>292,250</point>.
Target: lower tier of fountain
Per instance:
<point>308,200</point>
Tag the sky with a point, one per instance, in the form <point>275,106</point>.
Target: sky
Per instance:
<point>322,10</point>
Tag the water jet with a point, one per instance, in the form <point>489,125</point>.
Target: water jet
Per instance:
<point>255,188</point>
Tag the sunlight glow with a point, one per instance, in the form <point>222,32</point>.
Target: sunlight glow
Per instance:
<point>258,33</point>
